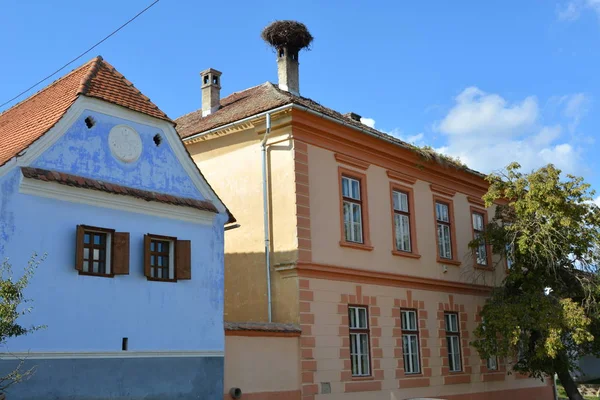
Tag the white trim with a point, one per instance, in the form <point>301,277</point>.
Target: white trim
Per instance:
<point>30,154</point>
<point>36,355</point>
<point>97,198</point>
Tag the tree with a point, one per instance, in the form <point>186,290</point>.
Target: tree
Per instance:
<point>546,314</point>
<point>12,306</point>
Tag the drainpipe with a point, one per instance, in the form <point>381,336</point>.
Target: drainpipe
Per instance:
<point>263,146</point>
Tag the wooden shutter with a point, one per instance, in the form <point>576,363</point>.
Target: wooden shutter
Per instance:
<point>147,255</point>
<point>79,248</point>
<point>120,253</point>
<point>183,260</point>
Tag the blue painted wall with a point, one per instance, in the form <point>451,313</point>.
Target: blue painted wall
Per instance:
<point>86,313</point>
<point>125,378</point>
<point>93,314</point>
<point>85,152</point>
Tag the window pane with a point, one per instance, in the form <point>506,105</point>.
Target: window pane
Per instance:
<point>406,352</point>
<point>364,346</point>
<point>348,221</point>
<point>492,363</point>
<point>400,201</point>
<point>95,266</point>
<point>345,187</point>
<point>442,212</point>
<point>402,223</point>
<point>362,318</point>
<point>478,222</point>
<point>352,317</point>
<point>86,253</point>
<point>86,238</point>
<point>96,254</point>
<point>415,353</point>
<point>152,245</point>
<point>355,189</point>
<point>86,267</point>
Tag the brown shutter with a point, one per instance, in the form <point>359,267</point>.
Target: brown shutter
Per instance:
<point>79,248</point>
<point>183,260</point>
<point>120,253</point>
<point>147,255</point>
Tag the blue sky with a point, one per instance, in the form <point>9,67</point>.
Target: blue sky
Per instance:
<point>490,83</point>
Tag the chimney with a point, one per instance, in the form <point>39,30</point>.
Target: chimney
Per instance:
<point>287,70</point>
<point>211,91</point>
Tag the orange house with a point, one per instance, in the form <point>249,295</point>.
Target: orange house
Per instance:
<point>350,275</point>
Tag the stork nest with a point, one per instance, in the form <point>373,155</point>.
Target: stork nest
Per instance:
<point>291,34</point>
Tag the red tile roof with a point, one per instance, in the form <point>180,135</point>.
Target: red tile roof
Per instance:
<point>93,184</point>
<point>268,96</point>
<point>27,121</point>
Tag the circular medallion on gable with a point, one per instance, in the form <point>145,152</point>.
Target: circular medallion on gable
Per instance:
<point>125,143</point>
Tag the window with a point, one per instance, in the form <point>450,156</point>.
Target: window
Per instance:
<point>101,251</point>
<point>492,364</point>
<point>352,203</point>
<point>410,341</point>
<point>402,220</point>
<point>442,216</point>
<point>166,258</point>
<point>359,340</point>
<point>453,341</point>
<point>481,254</point>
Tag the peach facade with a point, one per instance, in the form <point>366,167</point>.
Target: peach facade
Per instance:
<point>317,273</point>
<point>263,367</point>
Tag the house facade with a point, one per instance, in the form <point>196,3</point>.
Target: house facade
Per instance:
<point>130,292</point>
<point>352,256</point>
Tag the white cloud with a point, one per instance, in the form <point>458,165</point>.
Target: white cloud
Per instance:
<point>370,122</point>
<point>487,132</point>
<point>597,201</point>
<point>476,111</point>
<point>572,9</point>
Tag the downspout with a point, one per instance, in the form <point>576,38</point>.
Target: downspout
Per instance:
<point>263,146</point>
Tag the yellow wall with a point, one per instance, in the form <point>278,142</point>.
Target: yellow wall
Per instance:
<point>232,165</point>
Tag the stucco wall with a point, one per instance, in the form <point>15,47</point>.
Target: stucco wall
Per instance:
<point>325,226</point>
<point>262,364</point>
<point>233,166</point>
<point>326,318</point>
<point>87,313</point>
<point>86,152</point>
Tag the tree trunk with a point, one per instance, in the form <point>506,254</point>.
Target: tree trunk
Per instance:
<point>569,385</point>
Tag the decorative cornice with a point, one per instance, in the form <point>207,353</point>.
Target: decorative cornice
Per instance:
<point>442,190</point>
<point>477,201</point>
<point>402,177</point>
<point>322,271</point>
<point>96,198</point>
<point>351,161</point>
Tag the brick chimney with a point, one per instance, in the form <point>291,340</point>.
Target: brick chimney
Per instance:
<point>287,70</point>
<point>211,91</point>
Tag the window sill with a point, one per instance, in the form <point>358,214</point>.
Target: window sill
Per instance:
<point>484,267</point>
<point>448,261</point>
<point>405,254</point>
<point>357,246</point>
<point>161,280</point>
<point>96,275</point>
<point>363,378</point>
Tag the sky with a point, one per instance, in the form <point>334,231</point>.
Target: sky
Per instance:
<point>488,82</point>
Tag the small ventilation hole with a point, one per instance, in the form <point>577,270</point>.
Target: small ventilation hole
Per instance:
<point>89,122</point>
<point>125,344</point>
<point>157,139</point>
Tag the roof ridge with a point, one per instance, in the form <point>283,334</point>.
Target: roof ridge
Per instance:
<point>45,88</point>
<point>84,85</point>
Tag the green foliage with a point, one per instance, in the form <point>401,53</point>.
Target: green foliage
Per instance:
<point>12,306</point>
<point>547,313</point>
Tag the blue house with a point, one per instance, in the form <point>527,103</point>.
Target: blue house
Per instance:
<point>93,174</point>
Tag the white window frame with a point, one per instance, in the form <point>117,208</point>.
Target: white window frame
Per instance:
<point>351,204</point>
<point>108,259</point>
<point>492,363</point>
<point>444,229</point>
<point>481,256</point>
<point>359,335</point>
<point>402,220</point>
<point>452,325</point>
<point>410,342</point>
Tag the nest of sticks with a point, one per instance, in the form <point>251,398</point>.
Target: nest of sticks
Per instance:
<point>291,34</point>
